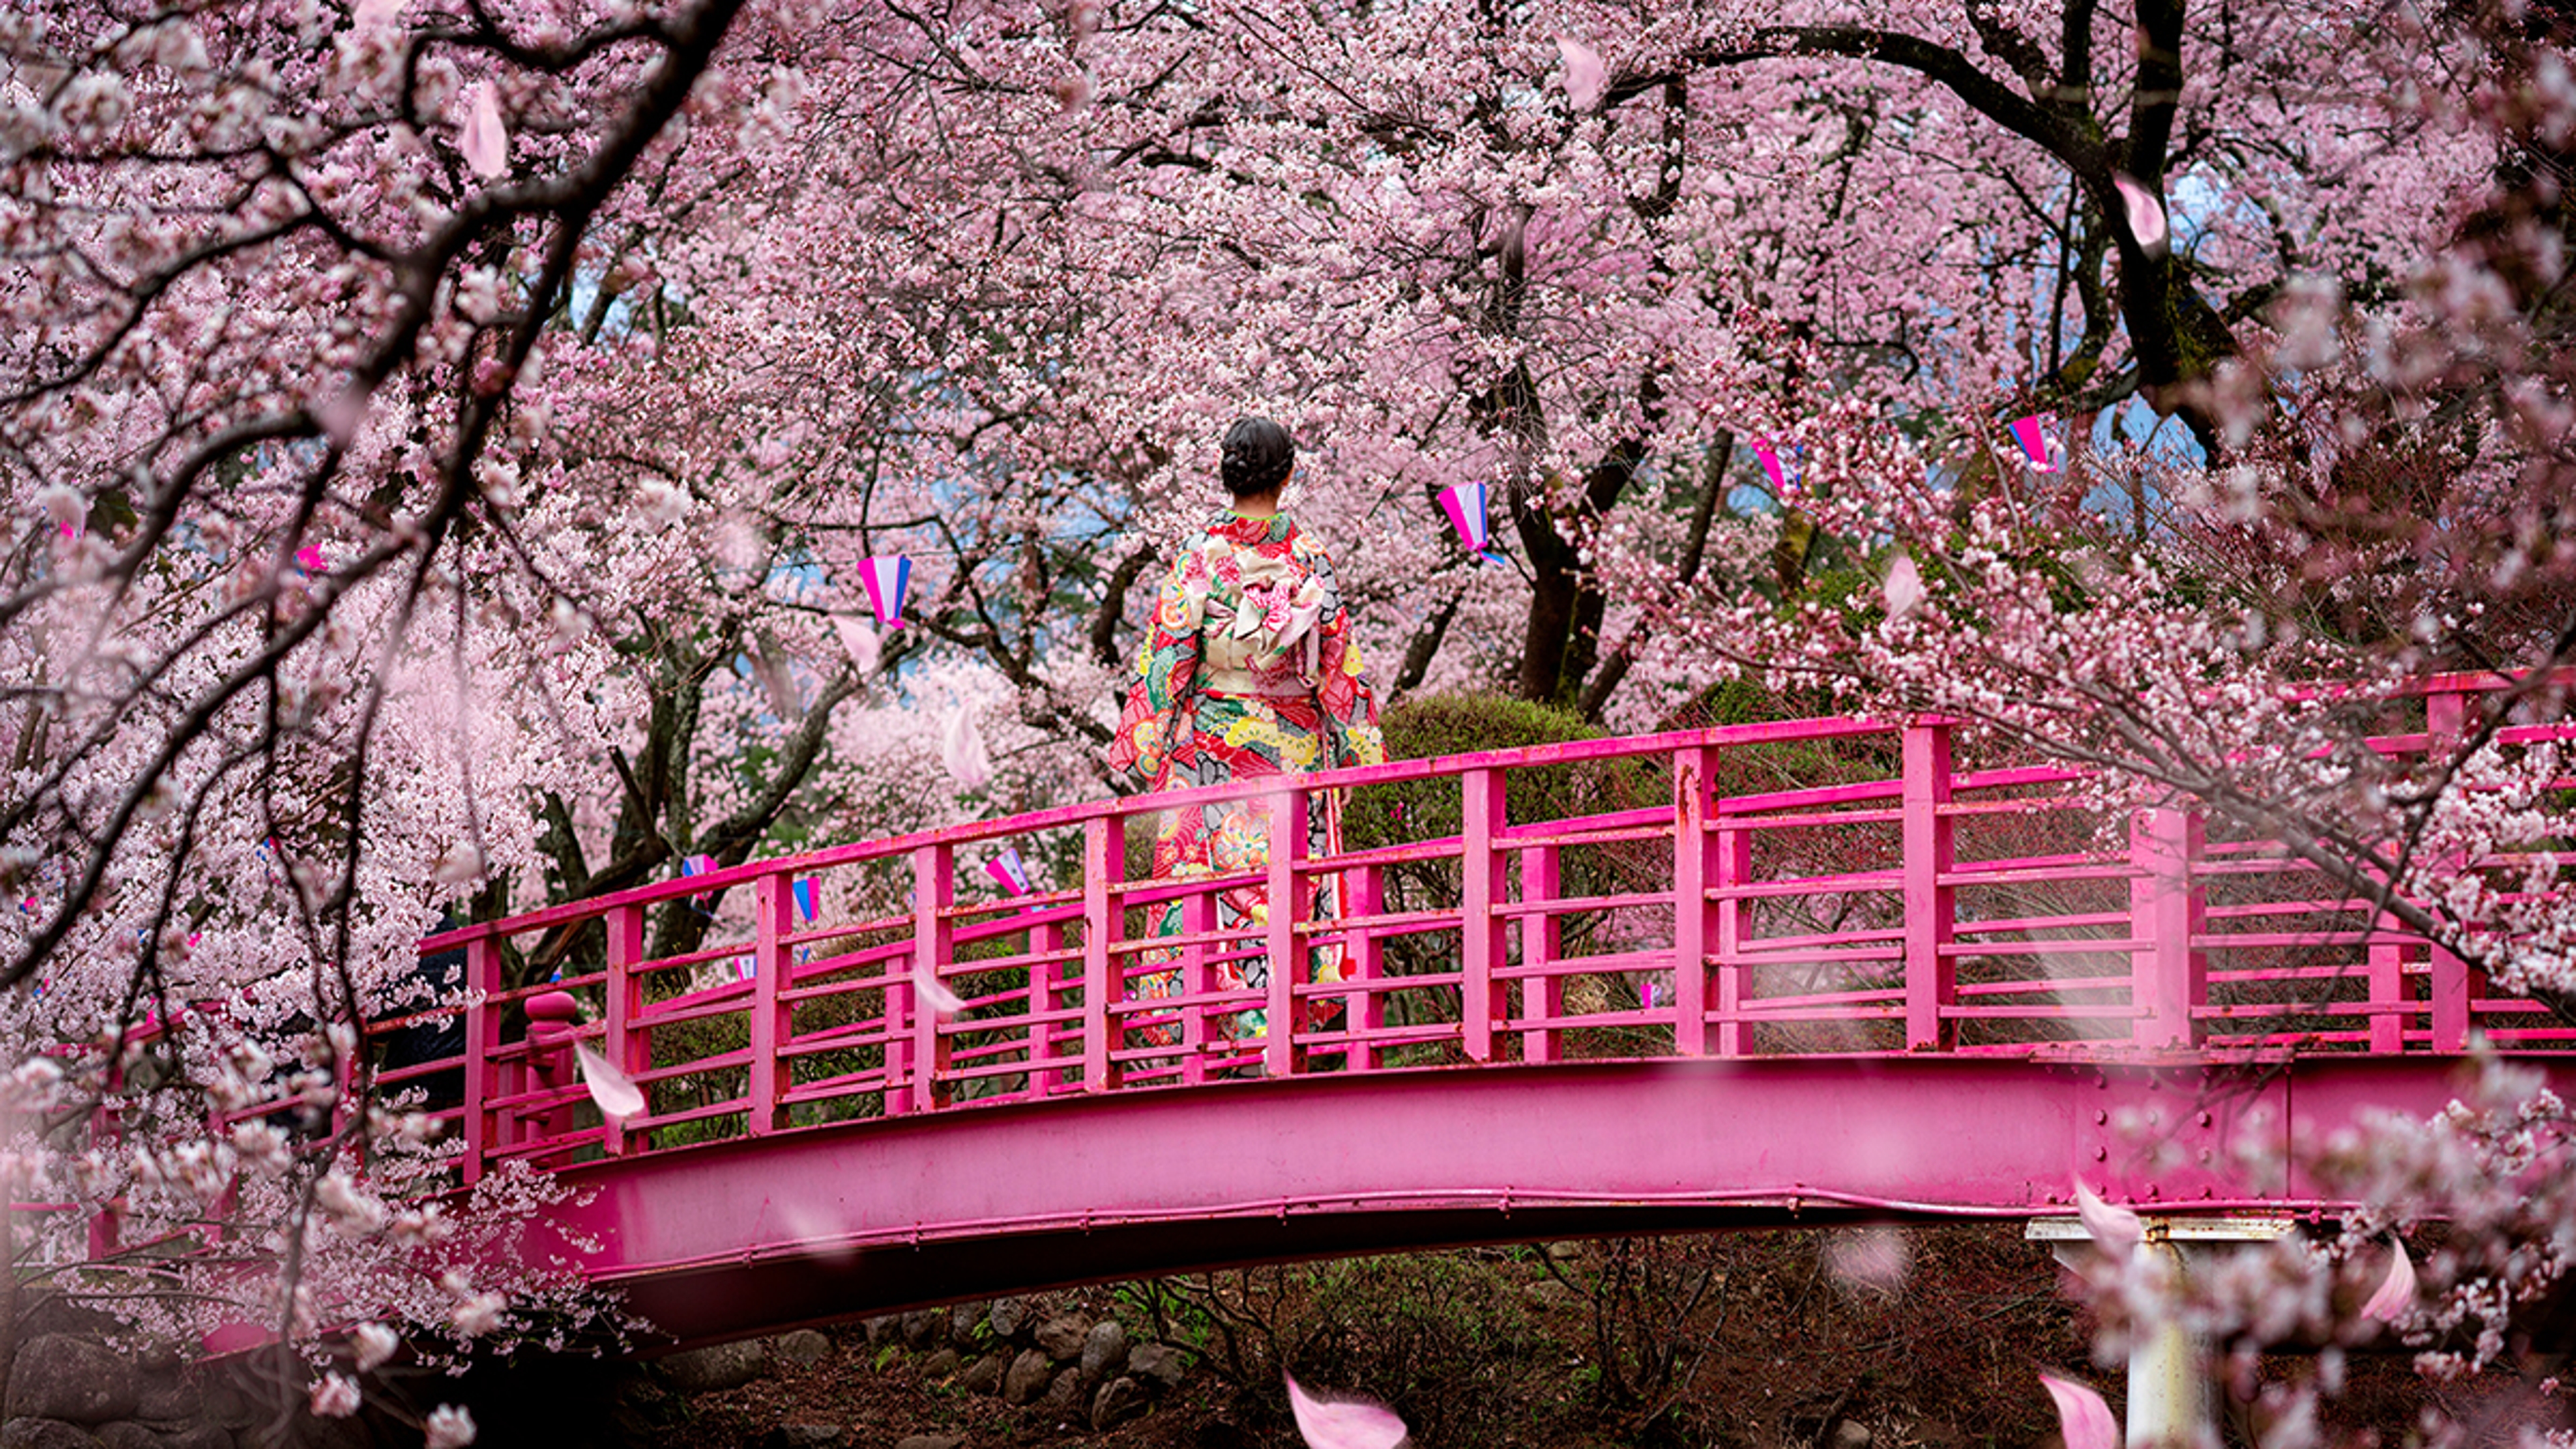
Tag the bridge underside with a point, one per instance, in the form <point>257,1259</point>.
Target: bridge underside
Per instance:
<point>754,1235</point>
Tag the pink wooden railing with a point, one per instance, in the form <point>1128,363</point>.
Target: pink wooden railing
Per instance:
<point>1920,908</point>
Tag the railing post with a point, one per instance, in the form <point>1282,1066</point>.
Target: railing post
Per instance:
<point>1691,915</point>
<point>1104,870</point>
<point>1365,900</point>
<point>934,893</point>
<point>1198,920</point>
<point>1542,941</point>
<point>2449,981</point>
<point>1047,991</point>
<point>2449,985</point>
<point>1481,931</point>
<point>1733,869</point>
<point>774,916</point>
<point>2389,1006</point>
<point>1931,976</point>
<point>1287,908</point>
<point>625,1048</point>
<point>482,1039</point>
<point>2169,977</point>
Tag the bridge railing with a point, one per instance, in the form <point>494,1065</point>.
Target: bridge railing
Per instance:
<point>1698,894</point>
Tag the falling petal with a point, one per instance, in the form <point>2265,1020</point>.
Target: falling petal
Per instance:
<point>2085,1420</point>
<point>1904,586</point>
<point>860,642</point>
<point>1073,92</point>
<point>935,993</point>
<point>1327,1425</point>
<point>2396,1296</point>
<point>616,1093</point>
<point>2114,1229</point>
<point>1585,76</point>
<point>374,15</point>
<point>777,681</point>
<point>961,749</point>
<point>486,140</point>
<point>2146,214</point>
<point>1869,1261</point>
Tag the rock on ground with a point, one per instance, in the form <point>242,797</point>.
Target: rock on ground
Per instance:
<point>931,1441</point>
<point>1104,1351</point>
<point>804,1348</point>
<point>1062,1336</point>
<point>1064,1396</point>
<point>61,1377</point>
<point>1157,1364</point>
<point>716,1368</point>
<point>1006,1317</point>
<point>1028,1376</point>
<point>1118,1401</point>
<point>26,1433</point>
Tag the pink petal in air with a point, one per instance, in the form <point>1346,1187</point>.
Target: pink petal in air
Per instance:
<point>1904,586</point>
<point>961,749</point>
<point>2396,1296</point>
<point>860,642</point>
<point>2146,214</point>
<point>1585,76</point>
<point>2114,1229</point>
<point>1327,1425</point>
<point>616,1093</point>
<point>935,993</point>
<point>375,15</point>
<point>485,139</point>
<point>2081,1414</point>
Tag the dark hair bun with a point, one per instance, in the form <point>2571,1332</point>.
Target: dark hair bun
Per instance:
<point>1257,458</point>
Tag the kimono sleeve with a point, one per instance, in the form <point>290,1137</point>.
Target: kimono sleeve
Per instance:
<point>1156,721</point>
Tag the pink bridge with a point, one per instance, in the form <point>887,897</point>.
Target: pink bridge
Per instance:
<point>1622,985</point>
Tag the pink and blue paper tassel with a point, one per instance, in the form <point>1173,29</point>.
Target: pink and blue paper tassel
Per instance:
<point>1466,505</point>
<point>2032,433</point>
<point>887,577</point>
<point>1009,872</point>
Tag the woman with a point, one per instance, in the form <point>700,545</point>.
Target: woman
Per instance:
<point>1248,671</point>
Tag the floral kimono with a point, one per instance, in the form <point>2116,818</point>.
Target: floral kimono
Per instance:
<point>1249,671</point>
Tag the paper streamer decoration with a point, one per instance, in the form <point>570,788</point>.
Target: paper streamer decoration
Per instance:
<point>1780,477</point>
<point>1009,872</point>
<point>804,892</point>
<point>309,559</point>
<point>961,749</point>
<point>886,578</point>
<point>1466,505</point>
<point>2036,445</point>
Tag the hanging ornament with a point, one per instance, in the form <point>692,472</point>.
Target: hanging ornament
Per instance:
<point>887,577</point>
<point>1466,504</point>
<point>1009,872</point>
<point>2045,453</point>
<point>1781,478</point>
<point>804,891</point>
